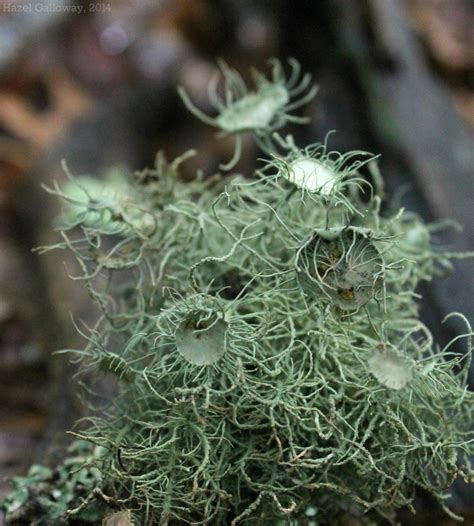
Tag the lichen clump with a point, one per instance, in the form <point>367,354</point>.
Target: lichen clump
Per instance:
<point>270,358</point>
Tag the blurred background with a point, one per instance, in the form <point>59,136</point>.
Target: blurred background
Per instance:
<point>95,83</point>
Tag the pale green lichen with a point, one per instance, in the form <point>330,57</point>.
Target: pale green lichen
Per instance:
<point>342,266</point>
<point>311,175</point>
<point>262,111</point>
<point>266,335</point>
<point>390,369</point>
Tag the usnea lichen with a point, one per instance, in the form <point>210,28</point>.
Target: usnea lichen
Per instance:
<point>265,335</point>
<point>262,111</point>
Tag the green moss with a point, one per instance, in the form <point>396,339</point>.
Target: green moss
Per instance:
<point>45,495</point>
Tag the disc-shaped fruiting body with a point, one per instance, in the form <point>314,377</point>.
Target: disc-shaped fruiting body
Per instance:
<point>266,108</point>
<point>390,368</point>
<point>104,205</point>
<point>201,341</point>
<point>94,203</point>
<point>315,170</point>
<point>416,236</point>
<point>311,175</point>
<point>340,265</point>
<point>254,111</point>
<point>195,327</point>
